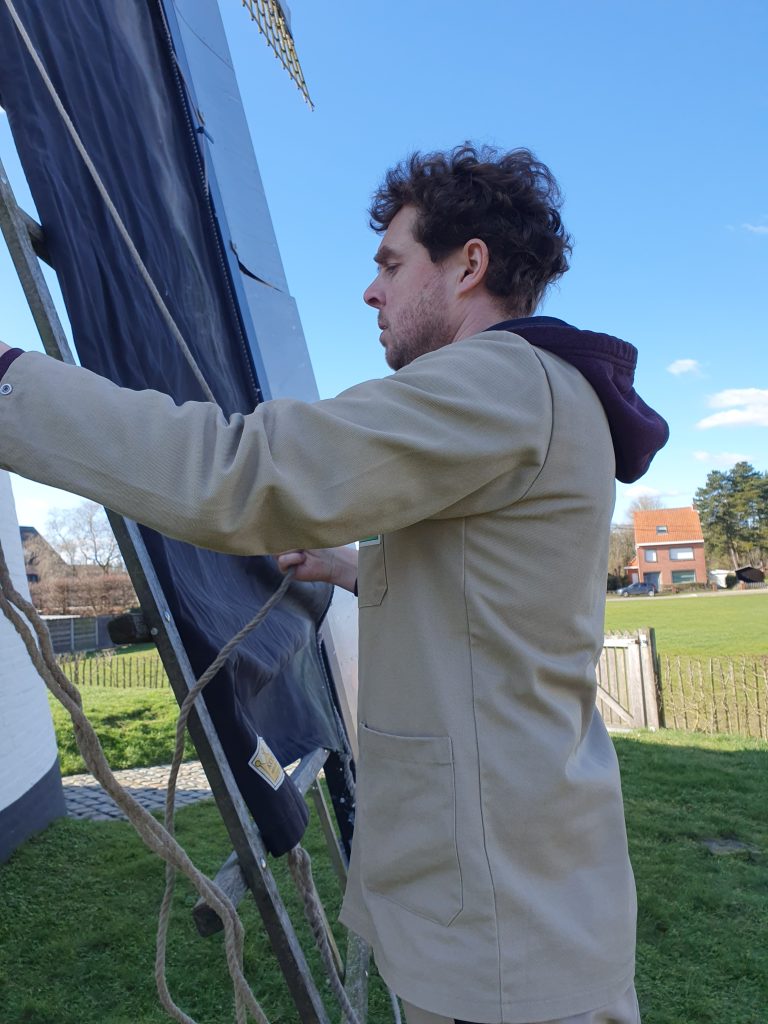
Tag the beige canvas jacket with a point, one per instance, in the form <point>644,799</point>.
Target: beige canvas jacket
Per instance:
<point>490,869</point>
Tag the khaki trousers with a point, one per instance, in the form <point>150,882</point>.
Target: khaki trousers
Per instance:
<point>622,1011</point>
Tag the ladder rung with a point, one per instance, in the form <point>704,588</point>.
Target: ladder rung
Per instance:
<point>36,236</point>
<point>307,770</point>
<point>230,879</point>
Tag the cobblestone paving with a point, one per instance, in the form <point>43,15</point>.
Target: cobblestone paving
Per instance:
<point>85,798</point>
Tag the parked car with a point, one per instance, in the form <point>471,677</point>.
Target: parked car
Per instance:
<point>637,590</point>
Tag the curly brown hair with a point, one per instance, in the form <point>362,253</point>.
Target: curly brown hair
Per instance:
<point>509,200</point>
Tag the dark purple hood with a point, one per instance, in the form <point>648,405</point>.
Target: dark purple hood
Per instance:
<point>608,363</point>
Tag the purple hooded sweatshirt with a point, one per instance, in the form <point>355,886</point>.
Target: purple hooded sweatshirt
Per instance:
<point>608,363</point>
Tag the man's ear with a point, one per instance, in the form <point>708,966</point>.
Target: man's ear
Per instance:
<point>473,265</point>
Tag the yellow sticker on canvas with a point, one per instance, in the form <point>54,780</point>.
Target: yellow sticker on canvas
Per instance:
<point>265,764</point>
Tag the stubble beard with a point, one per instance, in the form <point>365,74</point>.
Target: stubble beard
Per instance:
<point>422,328</point>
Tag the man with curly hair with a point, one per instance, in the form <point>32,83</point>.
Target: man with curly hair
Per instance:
<point>489,870</point>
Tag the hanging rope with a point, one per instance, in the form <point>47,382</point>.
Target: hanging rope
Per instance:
<point>21,613</point>
<point>112,209</point>
<point>170,803</point>
<point>160,838</point>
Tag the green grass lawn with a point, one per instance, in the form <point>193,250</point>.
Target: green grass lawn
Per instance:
<point>78,927</point>
<point>136,728</point>
<point>705,626</point>
<point>702,919</point>
<point>80,904</point>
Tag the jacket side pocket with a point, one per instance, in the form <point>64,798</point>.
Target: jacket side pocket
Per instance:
<point>408,836</point>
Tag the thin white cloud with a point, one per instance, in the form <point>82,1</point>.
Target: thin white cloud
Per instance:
<point>684,366</point>
<point>737,396</point>
<point>742,407</point>
<point>641,491</point>
<point>756,229</point>
<point>721,460</point>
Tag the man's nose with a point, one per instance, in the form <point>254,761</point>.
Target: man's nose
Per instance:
<point>371,296</point>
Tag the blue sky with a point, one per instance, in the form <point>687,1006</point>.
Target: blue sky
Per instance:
<point>653,117</point>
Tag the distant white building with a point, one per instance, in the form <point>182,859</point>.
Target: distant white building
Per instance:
<point>31,794</point>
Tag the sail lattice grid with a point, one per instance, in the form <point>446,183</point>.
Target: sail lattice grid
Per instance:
<point>273,25</point>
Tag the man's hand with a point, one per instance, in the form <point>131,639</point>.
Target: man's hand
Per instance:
<point>324,565</point>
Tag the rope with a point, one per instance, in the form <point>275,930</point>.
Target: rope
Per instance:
<point>112,209</point>
<point>300,866</point>
<point>349,779</point>
<point>299,861</point>
<point>155,835</point>
<point>160,838</point>
<point>170,799</point>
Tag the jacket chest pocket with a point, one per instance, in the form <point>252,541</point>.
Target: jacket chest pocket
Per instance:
<point>371,572</point>
<point>407,824</point>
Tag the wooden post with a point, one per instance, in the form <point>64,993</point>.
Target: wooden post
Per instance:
<point>356,977</point>
<point>647,654</point>
<point>329,832</point>
<point>735,696</point>
<point>656,662</point>
<point>635,684</point>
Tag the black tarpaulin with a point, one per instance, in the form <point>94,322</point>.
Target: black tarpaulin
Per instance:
<point>749,574</point>
<point>112,65</point>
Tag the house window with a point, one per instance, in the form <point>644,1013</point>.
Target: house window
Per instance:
<point>662,529</point>
<point>651,555</point>
<point>684,576</point>
<point>681,554</point>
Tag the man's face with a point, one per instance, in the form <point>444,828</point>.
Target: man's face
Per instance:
<point>411,294</point>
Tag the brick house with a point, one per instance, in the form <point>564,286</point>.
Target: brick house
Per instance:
<point>58,588</point>
<point>669,547</point>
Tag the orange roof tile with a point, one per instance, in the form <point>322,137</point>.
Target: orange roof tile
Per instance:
<point>681,524</point>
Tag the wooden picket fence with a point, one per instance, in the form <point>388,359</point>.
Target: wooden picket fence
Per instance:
<point>627,681</point>
<point>727,695</point>
<point>124,671</point>
<point>636,686</point>
<point>640,688</point>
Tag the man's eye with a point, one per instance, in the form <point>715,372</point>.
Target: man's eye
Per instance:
<point>390,268</point>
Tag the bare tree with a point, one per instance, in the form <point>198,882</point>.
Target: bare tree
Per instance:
<point>644,503</point>
<point>83,536</point>
<point>621,548</point>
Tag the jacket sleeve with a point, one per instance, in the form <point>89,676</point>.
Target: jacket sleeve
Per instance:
<point>387,453</point>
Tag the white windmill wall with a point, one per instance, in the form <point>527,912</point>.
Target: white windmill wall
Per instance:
<point>30,785</point>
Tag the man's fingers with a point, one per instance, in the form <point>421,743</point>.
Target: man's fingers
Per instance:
<point>288,558</point>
